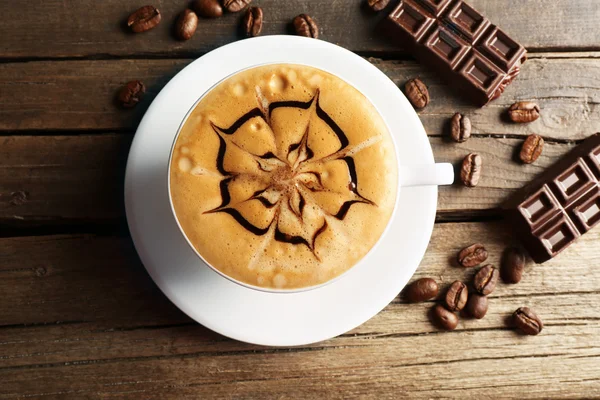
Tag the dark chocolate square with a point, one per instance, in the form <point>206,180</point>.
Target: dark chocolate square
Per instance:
<point>468,21</point>
<point>482,73</point>
<point>593,161</point>
<point>585,212</point>
<point>412,19</point>
<point>573,182</point>
<point>502,49</point>
<point>448,46</point>
<point>539,207</point>
<point>436,7</point>
<point>557,234</point>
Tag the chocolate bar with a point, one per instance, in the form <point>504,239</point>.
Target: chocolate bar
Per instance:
<point>462,45</point>
<point>561,205</point>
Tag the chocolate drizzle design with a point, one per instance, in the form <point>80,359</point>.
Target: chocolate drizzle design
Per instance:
<point>289,181</point>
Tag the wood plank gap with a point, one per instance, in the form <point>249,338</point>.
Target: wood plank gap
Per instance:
<point>380,335</point>
<point>67,132</point>
<point>42,324</point>
<point>458,216</point>
<point>107,57</point>
<point>533,53</point>
<point>462,360</point>
<point>152,327</point>
<point>37,227</point>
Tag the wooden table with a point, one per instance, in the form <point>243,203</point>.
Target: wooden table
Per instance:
<point>79,316</point>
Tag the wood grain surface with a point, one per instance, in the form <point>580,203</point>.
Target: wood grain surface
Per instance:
<point>79,316</point>
<point>77,95</point>
<point>79,179</point>
<point>57,29</point>
<point>81,306</point>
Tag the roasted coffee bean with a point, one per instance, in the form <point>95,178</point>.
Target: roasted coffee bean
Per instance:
<point>513,264</point>
<point>186,25</point>
<point>305,26</point>
<point>532,149</point>
<point>19,198</point>
<point>378,5</point>
<point>527,321</point>
<point>144,19</point>
<point>524,111</point>
<point>456,296</point>
<point>253,21</point>
<point>460,128</point>
<point>477,306</point>
<point>131,94</point>
<point>235,5</point>
<point>472,255</point>
<point>470,172</point>
<point>417,93</point>
<point>421,290</point>
<point>208,8</point>
<point>444,319</point>
<point>485,280</point>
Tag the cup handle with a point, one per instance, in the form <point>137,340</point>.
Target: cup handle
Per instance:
<point>426,174</point>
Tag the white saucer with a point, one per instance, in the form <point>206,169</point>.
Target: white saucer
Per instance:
<point>249,315</point>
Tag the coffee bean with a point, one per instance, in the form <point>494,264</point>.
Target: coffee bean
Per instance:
<point>513,263</point>
<point>532,149</point>
<point>485,280</point>
<point>421,290</point>
<point>235,5</point>
<point>472,255</point>
<point>19,198</point>
<point>470,172</point>
<point>477,306</point>
<point>144,19</point>
<point>208,8</point>
<point>417,93</point>
<point>131,94</point>
<point>378,5</point>
<point>305,26</point>
<point>444,319</point>
<point>253,21</point>
<point>186,25</point>
<point>527,321</point>
<point>524,111</point>
<point>456,296</point>
<point>460,128</point>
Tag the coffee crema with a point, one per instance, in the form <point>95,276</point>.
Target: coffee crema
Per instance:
<point>283,176</point>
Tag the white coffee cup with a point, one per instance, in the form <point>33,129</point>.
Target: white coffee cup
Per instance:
<point>425,174</point>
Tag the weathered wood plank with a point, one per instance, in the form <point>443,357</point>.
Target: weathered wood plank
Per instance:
<point>131,341</point>
<point>91,342</point>
<point>62,179</point>
<point>38,95</point>
<point>502,173</point>
<point>73,95</point>
<point>79,179</point>
<point>567,90</point>
<point>61,278</point>
<point>73,29</point>
<point>471,365</point>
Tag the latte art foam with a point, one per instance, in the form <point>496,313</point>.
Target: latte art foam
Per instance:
<point>283,176</point>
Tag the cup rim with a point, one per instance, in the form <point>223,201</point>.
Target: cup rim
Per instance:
<point>255,287</point>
